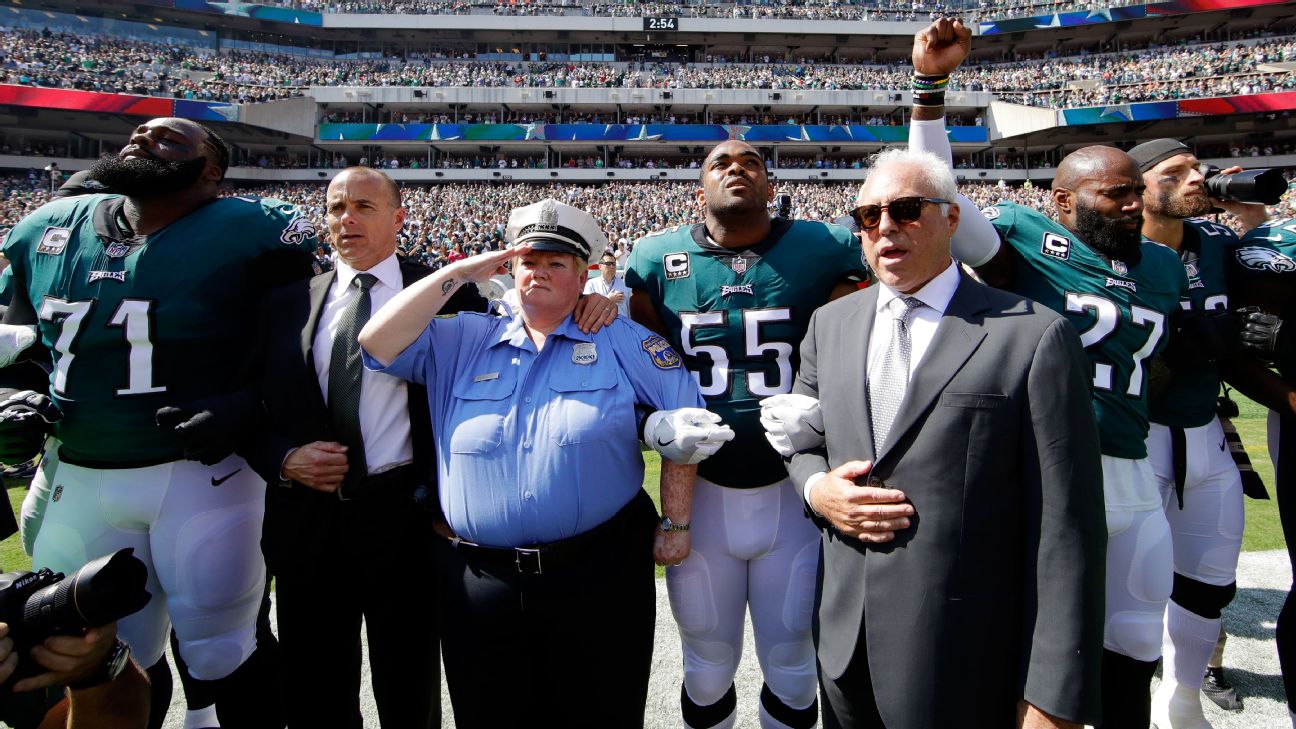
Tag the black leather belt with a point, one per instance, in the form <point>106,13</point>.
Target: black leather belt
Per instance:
<point>535,559</point>
<point>388,483</point>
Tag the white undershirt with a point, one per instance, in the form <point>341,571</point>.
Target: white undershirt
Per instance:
<point>923,323</point>
<point>384,400</point>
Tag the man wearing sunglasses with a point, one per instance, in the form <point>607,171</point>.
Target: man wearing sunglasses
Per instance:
<point>1120,293</point>
<point>734,294</point>
<point>953,486</point>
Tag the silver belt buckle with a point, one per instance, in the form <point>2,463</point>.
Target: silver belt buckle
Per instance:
<point>528,561</point>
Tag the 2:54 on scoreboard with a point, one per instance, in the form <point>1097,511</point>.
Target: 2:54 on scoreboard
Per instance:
<point>661,23</point>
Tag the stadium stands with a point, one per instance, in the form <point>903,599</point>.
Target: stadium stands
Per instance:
<point>95,63</point>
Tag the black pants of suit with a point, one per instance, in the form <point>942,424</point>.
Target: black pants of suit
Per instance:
<point>847,701</point>
<point>371,559</point>
<point>574,642</point>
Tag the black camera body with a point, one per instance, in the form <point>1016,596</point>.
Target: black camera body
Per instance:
<point>37,605</point>
<point>1249,186</point>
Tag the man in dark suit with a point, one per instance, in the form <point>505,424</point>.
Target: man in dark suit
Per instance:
<point>351,504</point>
<point>959,487</point>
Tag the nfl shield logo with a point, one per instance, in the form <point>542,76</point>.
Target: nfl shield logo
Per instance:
<point>117,250</point>
<point>738,264</point>
<point>1120,268</point>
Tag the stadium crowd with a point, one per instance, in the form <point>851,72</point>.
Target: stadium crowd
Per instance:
<point>98,63</point>
<point>452,220</point>
<point>981,10</point>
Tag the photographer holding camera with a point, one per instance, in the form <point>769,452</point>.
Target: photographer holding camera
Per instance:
<point>105,688</point>
<point>68,627</point>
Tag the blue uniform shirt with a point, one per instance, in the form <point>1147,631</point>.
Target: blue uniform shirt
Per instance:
<point>534,447</point>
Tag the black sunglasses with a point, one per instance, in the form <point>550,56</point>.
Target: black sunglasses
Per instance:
<point>903,210</point>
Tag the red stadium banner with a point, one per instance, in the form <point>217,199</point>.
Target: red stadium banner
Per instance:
<point>1279,101</point>
<point>146,106</point>
<point>84,101</point>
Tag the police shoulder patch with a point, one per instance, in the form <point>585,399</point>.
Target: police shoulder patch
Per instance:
<point>661,353</point>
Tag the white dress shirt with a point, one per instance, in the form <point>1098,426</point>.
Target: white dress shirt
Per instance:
<point>384,400</point>
<point>597,285</point>
<point>923,323</point>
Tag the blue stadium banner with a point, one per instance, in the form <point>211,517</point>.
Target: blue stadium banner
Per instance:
<point>771,133</point>
<point>1105,14</point>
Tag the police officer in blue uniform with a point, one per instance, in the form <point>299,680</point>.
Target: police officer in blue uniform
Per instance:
<point>547,585</point>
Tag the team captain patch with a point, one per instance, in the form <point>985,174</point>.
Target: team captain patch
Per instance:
<point>662,354</point>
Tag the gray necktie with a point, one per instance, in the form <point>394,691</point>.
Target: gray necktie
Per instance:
<point>886,388</point>
<point>345,369</point>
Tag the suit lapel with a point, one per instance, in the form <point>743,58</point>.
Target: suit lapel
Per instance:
<point>857,352</point>
<point>959,334</point>
<point>319,288</point>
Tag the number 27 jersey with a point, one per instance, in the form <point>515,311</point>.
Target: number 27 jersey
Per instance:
<point>1121,312</point>
<point>738,318</point>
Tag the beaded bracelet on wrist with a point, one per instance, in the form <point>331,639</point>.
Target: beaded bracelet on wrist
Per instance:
<point>929,90</point>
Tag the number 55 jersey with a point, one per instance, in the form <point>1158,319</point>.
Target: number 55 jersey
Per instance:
<point>738,317</point>
<point>1121,311</point>
<point>135,323</point>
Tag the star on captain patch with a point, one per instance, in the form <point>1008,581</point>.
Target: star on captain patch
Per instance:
<point>662,354</point>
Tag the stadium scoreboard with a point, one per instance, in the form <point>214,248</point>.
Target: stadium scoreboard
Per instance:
<point>661,22</point>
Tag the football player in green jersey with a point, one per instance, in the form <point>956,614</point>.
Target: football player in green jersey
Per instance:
<point>1201,487</point>
<point>734,295</point>
<point>1262,279</point>
<point>142,300</point>
<point>1119,292</point>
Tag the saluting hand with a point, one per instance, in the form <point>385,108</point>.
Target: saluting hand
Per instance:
<point>479,268</point>
<point>939,48</point>
<point>868,513</point>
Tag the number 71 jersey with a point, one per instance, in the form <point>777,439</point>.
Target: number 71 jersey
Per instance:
<point>1121,312</point>
<point>738,318</point>
<point>137,323</point>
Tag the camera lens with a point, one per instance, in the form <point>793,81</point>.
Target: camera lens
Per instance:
<point>1254,186</point>
<point>104,590</point>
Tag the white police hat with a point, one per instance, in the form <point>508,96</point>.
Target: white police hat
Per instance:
<point>552,226</point>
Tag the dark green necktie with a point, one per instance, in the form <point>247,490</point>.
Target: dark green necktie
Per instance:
<point>345,369</point>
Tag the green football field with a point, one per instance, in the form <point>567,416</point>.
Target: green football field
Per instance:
<point>1262,529</point>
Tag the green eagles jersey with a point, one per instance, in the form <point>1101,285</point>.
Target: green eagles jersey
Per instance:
<point>1120,312</point>
<point>1188,400</point>
<point>738,318</point>
<point>138,323</point>
<point>1263,266</point>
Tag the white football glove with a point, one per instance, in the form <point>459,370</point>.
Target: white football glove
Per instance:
<point>14,339</point>
<point>686,436</point>
<point>793,423</point>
